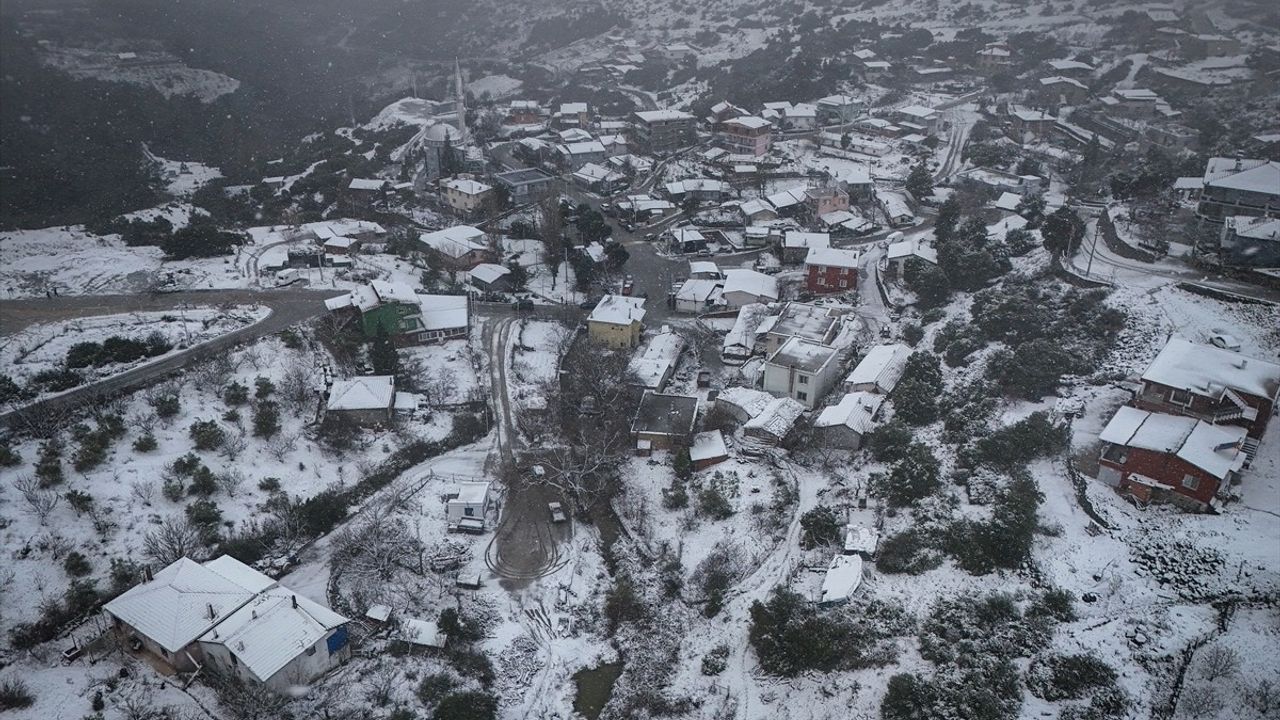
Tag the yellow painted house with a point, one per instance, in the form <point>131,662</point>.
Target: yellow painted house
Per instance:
<point>616,321</point>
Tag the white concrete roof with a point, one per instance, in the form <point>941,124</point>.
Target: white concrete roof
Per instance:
<point>273,629</point>
<point>751,122</point>
<point>467,186</point>
<point>663,115</point>
<point>173,609</point>
<point>366,184</point>
<point>800,239</point>
<point>373,392</point>
<point>803,354</point>
<point>471,493</point>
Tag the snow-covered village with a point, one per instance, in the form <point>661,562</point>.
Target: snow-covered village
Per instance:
<point>591,360</point>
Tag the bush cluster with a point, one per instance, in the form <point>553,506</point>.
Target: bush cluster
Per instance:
<point>116,349</point>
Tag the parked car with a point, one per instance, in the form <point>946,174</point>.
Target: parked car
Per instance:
<point>589,303</point>
<point>557,512</point>
<point>522,305</point>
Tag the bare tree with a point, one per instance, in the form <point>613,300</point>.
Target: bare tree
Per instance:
<point>296,388</point>
<point>1218,661</point>
<point>281,445</point>
<point>234,443</point>
<point>142,490</point>
<point>39,502</point>
<point>230,481</point>
<point>145,422</point>
<point>380,685</point>
<point>175,538</point>
<point>1263,697</point>
<point>1200,700</point>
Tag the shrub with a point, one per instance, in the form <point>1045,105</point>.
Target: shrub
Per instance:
<point>263,388</point>
<point>235,394</point>
<point>167,405</point>
<point>471,705</point>
<point>81,502</point>
<point>49,463</point>
<point>675,497</point>
<point>14,694</point>
<point>912,333</point>
<point>913,478</point>
<point>455,626</point>
<point>206,515</point>
<point>1034,436</point>
<point>821,526</point>
<point>909,697</point>
<point>269,484</point>
<point>8,456</point>
<point>1005,540</point>
<point>322,511</point>
<point>716,660</point>
<point>907,552</point>
<point>1068,677</point>
<point>713,503</point>
<point>266,419</point>
<point>434,687</point>
<point>207,434</point>
<point>76,564</point>
<point>467,428</point>
<point>790,637</point>
<point>203,482</point>
<point>472,664</point>
<point>1056,604</point>
<point>291,339</point>
<point>915,399</point>
<point>623,603</point>
<point>889,442</point>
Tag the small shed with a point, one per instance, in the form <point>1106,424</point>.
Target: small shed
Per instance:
<point>466,505</point>
<point>423,633</point>
<point>378,613</point>
<point>708,449</point>
<point>842,579</point>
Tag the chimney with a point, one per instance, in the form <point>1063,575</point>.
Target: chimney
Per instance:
<point>294,598</point>
<point>212,614</point>
<point>1242,363</point>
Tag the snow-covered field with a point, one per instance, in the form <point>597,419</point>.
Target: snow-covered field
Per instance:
<point>44,347</point>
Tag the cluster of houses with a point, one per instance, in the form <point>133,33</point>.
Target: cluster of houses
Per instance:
<point>1192,427</point>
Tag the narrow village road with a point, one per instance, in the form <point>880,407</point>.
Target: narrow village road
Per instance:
<point>774,570</point>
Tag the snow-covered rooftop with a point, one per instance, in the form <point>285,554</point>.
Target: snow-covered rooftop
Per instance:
<point>751,282</point>
<point>618,310</point>
<point>443,312</point>
<point>832,257</point>
<point>776,418</point>
<point>707,446</point>
<point>799,239</point>
<point>273,629</point>
<point>1208,370</point>
<point>856,411</point>
<point>455,241</point>
<point>802,354</point>
<point>1216,449</point>
<point>488,272</point>
<point>372,392</point>
<point>842,579</point>
<point>880,368</point>
<point>184,600</point>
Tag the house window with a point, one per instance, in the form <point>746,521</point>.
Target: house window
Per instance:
<point>1116,454</point>
<point>1180,397</point>
<point>468,511</point>
<point>802,396</point>
<point>804,379</point>
<point>311,650</point>
<point>1190,482</point>
<point>234,660</point>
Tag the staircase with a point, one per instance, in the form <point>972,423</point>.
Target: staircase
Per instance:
<point>1250,449</point>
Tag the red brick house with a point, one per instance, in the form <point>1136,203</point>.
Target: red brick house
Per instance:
<point>1156,457</point>
<point>829,270</point>
<point>1215,385</point>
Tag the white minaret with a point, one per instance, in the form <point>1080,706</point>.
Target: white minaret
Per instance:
<point>460,101</point>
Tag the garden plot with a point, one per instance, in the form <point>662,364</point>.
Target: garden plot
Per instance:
<point>536,350</point>
<point>443,372</point>
<point>79,344</point>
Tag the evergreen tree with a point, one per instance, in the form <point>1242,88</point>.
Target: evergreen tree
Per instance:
<point>920,181</point>
<point>948,217</point>
<point>383,355</point>
<point>1062,231</point>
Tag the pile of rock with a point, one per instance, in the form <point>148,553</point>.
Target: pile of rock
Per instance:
<point>1189,570</point>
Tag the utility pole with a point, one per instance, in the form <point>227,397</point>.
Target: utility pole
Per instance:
<point>1093,249</point>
